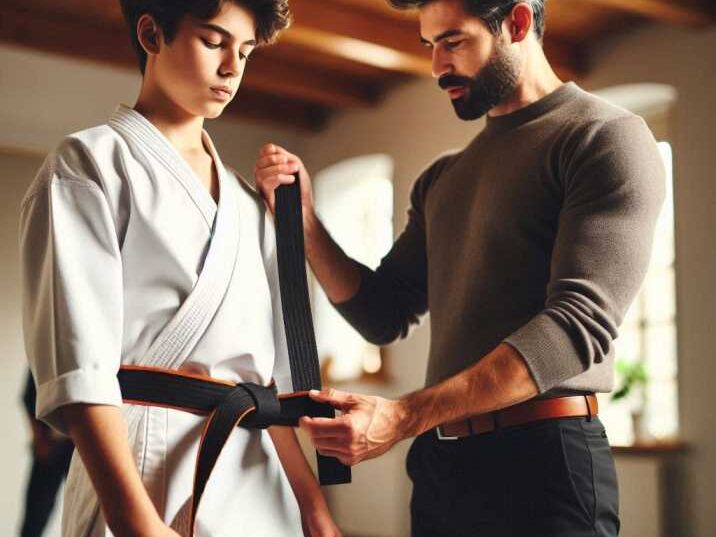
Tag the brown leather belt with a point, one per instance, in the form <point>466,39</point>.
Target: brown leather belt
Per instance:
<point>521,414</point>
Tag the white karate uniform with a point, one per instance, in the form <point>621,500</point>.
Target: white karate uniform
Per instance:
<point>128,260</point>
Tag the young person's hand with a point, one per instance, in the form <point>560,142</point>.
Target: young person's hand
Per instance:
<point>166,531</point>
<point>274,167</point>
<point>317,522</point>
<point>156,528</point>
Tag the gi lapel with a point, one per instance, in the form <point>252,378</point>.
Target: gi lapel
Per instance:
<point>176,341</point>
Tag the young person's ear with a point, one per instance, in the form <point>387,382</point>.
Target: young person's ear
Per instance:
<point>148,33</point>
<point>520,22</point>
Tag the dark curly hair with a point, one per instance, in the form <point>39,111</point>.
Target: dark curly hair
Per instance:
<point>272,16</point>
<point>492,12</point>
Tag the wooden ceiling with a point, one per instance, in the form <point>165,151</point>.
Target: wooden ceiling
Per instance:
<point>339,53</point>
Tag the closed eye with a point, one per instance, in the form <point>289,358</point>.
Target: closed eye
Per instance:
<point>452,45</point>
<point>211,45</point>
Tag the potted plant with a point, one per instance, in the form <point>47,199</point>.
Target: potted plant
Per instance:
<point>634,379</point>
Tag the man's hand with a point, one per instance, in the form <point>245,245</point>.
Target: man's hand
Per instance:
<point>368,427</point>
<point>275,167</point>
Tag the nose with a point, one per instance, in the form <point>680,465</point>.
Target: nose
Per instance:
<point>232,64</point>
<point>440,64</point>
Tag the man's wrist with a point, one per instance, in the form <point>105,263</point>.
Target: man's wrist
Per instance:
<point>407,417</point>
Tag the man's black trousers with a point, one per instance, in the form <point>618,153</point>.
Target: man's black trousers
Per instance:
<point>553,478</point>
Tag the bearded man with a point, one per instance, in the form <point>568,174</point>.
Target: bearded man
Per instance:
<point>527,247</point>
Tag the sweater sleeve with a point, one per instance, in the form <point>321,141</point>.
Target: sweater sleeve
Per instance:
<point>392,298</point>
<point>72,296</point>
<point>613,191</point>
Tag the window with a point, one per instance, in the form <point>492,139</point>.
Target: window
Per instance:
<point>648,336</point>
<point>354,200</point>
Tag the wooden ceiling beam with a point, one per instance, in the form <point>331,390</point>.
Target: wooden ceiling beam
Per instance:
<point>324,27</point>
<point>359,34</point>
<point>390,42</point>
<point>382,39</point>
<point>111,45</point>
<point>302,103</point>
<point>697,14</point>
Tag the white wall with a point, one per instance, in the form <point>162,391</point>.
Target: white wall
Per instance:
<point>685,59</point>
<point>15,175</point>
<point>42,98</point>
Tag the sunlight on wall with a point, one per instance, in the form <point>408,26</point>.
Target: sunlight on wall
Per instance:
<point>354,200</point>
<point>648,334</point>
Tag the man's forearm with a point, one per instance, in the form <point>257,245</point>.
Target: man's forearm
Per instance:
<point>497,381</point>
<point>337,273</point>
<point>100,435</point>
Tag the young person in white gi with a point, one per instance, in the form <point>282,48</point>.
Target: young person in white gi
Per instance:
<point>140,247</point>
<point>527,248</point>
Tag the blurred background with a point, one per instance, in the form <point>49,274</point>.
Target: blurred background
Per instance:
<point>348,88</point>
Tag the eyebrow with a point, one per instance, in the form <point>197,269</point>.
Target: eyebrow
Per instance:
<point>440,37</point>
<point>224,32</point>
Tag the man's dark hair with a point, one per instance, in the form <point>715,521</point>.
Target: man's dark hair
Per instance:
<point>492,12</point>
<point>272,16</point>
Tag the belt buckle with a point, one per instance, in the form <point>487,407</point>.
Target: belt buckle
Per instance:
<point>441,436</point>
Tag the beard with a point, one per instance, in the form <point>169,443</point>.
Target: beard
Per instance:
<point>488,88</point>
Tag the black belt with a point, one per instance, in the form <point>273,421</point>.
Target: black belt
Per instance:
<point>245,404</point>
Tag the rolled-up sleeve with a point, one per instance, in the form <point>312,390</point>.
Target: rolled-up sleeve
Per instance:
<point>614,190</point>
<point>72,296</point>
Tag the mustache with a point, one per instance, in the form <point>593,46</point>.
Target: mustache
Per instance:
<point>451,81</point>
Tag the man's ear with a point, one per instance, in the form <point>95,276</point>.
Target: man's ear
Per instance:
<point>519,22</point>
<point>148,33</point>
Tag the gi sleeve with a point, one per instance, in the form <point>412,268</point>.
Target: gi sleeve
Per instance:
<point>72,295</point>
<point>613,191</point>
